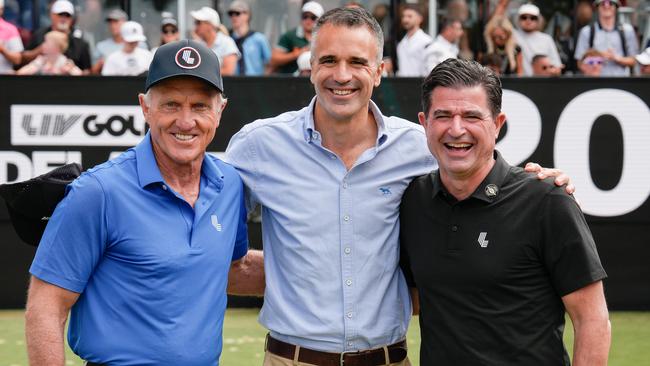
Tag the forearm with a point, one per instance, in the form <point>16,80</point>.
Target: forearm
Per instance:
<point>11,56</point>
<point>30,55</point>
<point>44,333</point>
<point>229,65</point>
<point>279,58</point>
<point>246,276</point>
<point>591,342</point>
<point>625,61</point>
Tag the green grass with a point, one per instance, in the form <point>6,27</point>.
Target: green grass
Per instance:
<point>244,339</point>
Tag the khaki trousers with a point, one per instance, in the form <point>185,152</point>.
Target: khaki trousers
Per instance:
<point>274,360</point>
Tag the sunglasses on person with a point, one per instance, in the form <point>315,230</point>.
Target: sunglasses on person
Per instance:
<point>608,3</point>
<point>593,61</point>
<point>534,18</point>
<point>65,15</point>
<point>234,13</point>
<point>170,31</point>
<point>306,16</point>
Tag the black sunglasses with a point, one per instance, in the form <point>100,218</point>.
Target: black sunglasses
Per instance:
<point>65,15</point>
<point>529,17</point>
<point>234,13</point>
<point>306,16</point>
<point>170,31</point>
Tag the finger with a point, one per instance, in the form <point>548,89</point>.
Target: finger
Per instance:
<point>532,167</point>
<point>562,179</point>
<point>570,189</point>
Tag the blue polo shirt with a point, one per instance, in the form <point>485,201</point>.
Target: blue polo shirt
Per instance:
<point>151,270</point>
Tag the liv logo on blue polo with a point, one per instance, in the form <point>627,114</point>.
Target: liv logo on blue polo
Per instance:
<point>385,191</point>
<point>215,222</point>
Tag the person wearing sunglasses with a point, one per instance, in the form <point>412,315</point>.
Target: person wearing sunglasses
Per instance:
<point>296,41</point>
<point>253,46</point>
<point>532,41</point>
<point>114,20</point>
<point>542,66</point>
<point>207,27</point>
<point>617,42</point>
<point>62,20</point>
<point>591,63</point>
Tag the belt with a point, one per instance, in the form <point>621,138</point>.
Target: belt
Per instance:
<point>374,357</point>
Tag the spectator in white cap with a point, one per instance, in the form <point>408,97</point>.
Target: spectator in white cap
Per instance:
<point>131,59</point>
<point>644,62</point>
<point>10,44</point>
<point>114,20</point>
<point>62,19</point>
<point>296,41</point>
<point>304,64</point>
<point>206,27</point>
<point>532,41</point>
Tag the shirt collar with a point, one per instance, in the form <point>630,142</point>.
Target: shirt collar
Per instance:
<point>300,33</point>
<point>148,171</point>
<point>311,134</point>
<point>489,189</point>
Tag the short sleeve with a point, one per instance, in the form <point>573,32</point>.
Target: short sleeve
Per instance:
<point>230,47</point>
<point>583,42</point>
<point>568,247</point>
<point>265,48</point>
<point>285,43</point>
<point>14,44</point>
<point>631,41</point>
<point>75,237</point>
<point>241,154</point>
<point>241,242</point>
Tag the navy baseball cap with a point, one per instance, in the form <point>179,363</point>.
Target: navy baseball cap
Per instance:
<point>185,58</point>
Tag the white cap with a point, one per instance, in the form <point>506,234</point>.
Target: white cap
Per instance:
<point>132,32</point>
<point>62,6</point>
<point>2,3</point>
<point>303,61</point>
<point>644,57</point>
<point>529,9</point>
<point>314,8</point>
<point>207,14</point>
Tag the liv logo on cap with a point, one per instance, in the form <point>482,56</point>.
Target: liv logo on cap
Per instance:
<point>188,58</point>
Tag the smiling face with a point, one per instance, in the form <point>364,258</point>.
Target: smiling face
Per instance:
<point>345,69</point>
<point>500,37</point>
<point>183,114</point>
<point>461,132</point>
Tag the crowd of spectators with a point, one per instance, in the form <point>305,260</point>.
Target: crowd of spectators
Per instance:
<point>513,38</point>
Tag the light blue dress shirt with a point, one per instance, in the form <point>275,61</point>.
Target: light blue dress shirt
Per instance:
<point>330,235</point>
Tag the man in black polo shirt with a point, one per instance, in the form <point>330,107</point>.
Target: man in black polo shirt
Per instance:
<point>496,254</point>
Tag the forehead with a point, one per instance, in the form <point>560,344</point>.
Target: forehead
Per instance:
<point>184,85</point>
<point>343,42</point>
<point>459,99</point>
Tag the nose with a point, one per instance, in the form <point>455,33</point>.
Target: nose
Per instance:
<point>186,120</point>
<point>456,127</point>
<point>342,73</point>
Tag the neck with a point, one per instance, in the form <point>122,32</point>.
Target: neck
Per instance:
<point>412,31</point>
<point>348,138</point>
<point>241,30</point>
<point>307,34</point>
<point>118,38</point>
<point>607,22</point>
<point>185,179</point>
<point>210,38</point>
<point>461,186</point>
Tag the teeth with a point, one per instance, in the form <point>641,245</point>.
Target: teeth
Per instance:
<point>341,92</point>
<point>459,146</point>
<point>181,136</point>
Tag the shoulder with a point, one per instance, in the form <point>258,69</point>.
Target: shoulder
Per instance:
<point>518,178</point>
<point>286,120</point>
<point>229,172</point>
<point>401,125</point>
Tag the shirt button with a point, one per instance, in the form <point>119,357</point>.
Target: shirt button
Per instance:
<point>332,157</point>
<point>349,344</point>
<point>454,228</point>
<point>345,185</point>
<point>164,187</point>
<point>347,250</point>
<point>346,218</point>
<point>349,315</point>
<point>348,282</point>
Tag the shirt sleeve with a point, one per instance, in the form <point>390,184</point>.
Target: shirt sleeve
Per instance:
<point>240,153</point>
<point>266,49</point>
<point>230,47</point>
<point>241,243</point>
<point>109,66</point>
<point>568,247</point>
<point>285,43</point>
<point>553,53</point>
<point>631,41</point>
<point>75,237</point>
<point>583,43</point>
<point>14,44</point>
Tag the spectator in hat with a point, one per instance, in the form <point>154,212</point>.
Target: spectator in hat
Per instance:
<point>114,19</point>
<point>253,46</point>
<point>168,32</point>
<point>591,63</point>
<point>542,66</point>
<point>643,59</point>
<point>411,49</point>
<point>617,42</point>
<point>532,41</point>
<point>62,20</point>
<point>296,41</point>
<point>52,60</point>
<point>131,59</point>
<point>304,64</point>
<point>10,44</point>
<point>206,26</point>
<point>143,248</point>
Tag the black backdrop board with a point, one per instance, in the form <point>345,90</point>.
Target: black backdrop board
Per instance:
<point>597,130</point>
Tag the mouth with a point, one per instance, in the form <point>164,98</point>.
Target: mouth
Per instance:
<point>342,92</point>
<point>183,137</point>
<point>458,146</point>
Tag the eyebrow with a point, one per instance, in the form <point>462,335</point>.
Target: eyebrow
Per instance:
<point>445,112</point>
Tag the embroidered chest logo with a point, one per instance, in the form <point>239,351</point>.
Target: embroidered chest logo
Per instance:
<point>481,239</point>
<point>215,222</point>
<point>385,191</point>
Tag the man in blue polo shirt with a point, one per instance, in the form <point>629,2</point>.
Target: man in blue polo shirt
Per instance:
<point>143,247</point>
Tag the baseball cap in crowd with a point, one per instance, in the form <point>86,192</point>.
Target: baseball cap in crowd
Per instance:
<point>528,9</point>
<point>132,32</point>
<point>62,6</point>
<point>32,202</point>
<point>239,5</point>
<point>314,8</point>
<point>207,14</point>
<point>117,14</point>
<point>169,21</point>
<point>614,2</point>
<point>2,3</point>
<point>185,58</point>
<point>644,57</point>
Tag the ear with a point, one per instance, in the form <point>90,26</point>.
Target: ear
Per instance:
<point>379,73</point>
<point>423,119</point>
<point>499,122</point>
<point>143,105</point>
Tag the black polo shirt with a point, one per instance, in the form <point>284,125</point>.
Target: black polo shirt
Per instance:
<point>78,49</point>
<point>491,269</point>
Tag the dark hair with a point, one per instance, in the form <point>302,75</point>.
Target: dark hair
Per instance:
<point>351,18</point>
<point>537,58</point>
<point>447,22</point>
<point>457,73</point>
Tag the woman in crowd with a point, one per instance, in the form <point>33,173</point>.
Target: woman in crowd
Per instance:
<point>500,41</point>
<point>169,32</point>
<point>52,61</point>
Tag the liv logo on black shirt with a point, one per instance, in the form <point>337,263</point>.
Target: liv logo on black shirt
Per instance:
<point>481,240</point>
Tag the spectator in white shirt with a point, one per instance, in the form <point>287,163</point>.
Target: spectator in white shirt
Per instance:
<point>532,41</point>
<point>206,26</point>
<point>410,50</point>
<point>445,45</point>
<point>10,44</point>
<point>130,60</point>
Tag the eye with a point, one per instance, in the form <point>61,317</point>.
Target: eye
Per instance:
<point>201,107</point>
<point>170,105</point>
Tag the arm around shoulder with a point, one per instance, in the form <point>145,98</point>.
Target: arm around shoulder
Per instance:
<point>246,276</point>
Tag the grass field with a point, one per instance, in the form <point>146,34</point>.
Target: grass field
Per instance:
<point>244,339</point>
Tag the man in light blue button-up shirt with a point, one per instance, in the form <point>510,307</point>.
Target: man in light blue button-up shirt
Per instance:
<point>330,178</point>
